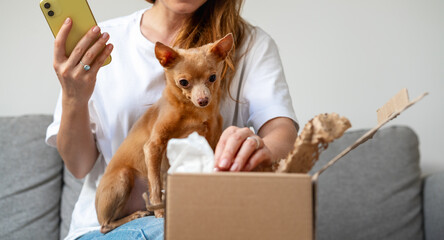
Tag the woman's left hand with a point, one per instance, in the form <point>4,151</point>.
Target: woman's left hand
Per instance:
<point>239,149</point>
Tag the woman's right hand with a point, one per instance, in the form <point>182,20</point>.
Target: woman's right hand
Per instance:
<point>78,83</point>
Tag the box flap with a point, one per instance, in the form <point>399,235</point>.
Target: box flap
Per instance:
<point>395,106</point>
<point>398,102</point>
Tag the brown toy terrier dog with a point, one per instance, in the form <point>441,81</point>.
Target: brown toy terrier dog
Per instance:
<point>189,102</point>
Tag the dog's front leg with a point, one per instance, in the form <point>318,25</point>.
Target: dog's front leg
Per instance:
<point>153,151</point>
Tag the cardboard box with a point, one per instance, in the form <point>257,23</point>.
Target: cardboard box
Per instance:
<point>239,206</point>
<point>253,205</point>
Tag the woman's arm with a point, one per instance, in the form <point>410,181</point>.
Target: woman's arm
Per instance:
<point>279,135</point>
<point>75,141</point>
<point>238,151</point>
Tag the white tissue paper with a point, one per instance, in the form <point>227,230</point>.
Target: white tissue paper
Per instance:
<point>190,155</point>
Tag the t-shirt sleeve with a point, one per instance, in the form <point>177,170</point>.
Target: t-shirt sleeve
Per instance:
<point>265,90</point>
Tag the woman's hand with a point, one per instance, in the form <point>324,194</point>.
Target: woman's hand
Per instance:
<point>239,149</point>
<point>77,81</point>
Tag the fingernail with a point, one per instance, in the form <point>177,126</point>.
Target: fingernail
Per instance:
<point>68,20</point>
<point>224,163</point>
<point>96,29</point>
<point>105,35</point>
<point>234,167</point>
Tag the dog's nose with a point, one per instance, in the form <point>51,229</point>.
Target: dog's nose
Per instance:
<point>202,101</point>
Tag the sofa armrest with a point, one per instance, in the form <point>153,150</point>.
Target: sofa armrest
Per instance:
<point>433,210</point>
<point>30,179</point>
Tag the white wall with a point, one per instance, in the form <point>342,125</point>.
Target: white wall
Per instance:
<point>339,56</point>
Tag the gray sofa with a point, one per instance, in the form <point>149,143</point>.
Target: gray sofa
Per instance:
<point>375,192</point>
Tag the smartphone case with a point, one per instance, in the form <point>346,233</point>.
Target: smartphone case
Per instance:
<point>56,12</point>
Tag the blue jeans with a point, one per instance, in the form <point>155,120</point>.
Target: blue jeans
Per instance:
<point>147,228</point>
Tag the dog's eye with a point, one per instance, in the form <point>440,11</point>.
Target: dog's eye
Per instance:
<point>212,78</point>
<point>183,82</point>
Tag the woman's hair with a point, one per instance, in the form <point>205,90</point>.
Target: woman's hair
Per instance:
<point>212,21</point>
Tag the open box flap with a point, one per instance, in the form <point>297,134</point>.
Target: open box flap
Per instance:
<point>395,106</point>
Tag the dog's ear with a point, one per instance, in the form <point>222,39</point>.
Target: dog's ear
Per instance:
<point>222,47</point>
<point>166,55</point>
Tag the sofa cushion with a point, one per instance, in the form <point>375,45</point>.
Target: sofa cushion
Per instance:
<point>374,192</point>
<point>31,180</point>
<point>70,194</point>
<point>433,193</point>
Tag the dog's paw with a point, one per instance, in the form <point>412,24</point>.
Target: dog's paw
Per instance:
<point>106,228</point>
<point>139,214</point>
<point>159,213</point>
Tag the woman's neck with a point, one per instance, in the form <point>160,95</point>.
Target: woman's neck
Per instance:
<point>159,24</point>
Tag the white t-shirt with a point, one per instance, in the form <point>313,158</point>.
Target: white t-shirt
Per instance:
<point>134,80</point>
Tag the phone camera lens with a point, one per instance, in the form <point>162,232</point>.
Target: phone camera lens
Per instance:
<point>51,13</point>
<point>47,5</point>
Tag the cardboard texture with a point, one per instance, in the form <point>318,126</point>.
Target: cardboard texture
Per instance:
<point>312,140</point>
<point>400,100</point>
<point>239,206</point>
<point>254,205</point>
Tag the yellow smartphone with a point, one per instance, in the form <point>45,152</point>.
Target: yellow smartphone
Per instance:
<point>56,12</point>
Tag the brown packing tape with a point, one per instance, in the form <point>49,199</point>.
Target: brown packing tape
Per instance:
<point>388,112</point>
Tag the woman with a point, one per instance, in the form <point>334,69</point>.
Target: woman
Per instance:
<point>101,104</point>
